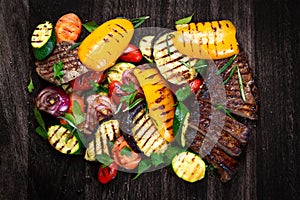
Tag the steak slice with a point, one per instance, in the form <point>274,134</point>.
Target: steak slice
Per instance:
<point>72,67</point>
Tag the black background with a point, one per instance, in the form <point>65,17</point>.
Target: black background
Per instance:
<point>269,169</point>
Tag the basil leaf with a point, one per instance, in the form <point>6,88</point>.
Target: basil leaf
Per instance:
<point>39,118</point>
<point>105,159</point>
<point>126,151</point>
<point>180,118</point>
<point>90,26</point>
<point>226,65</point>
<point>42,132</point>
<point>139,21</point>
<point>143,166</point>
<point>57,69</point>
<point>78,115</point>
<point>185,20</point>
<point>172,151</point>
<point>241,85</point>
<point>183,93</point>
<point>231,74</point>
<point>157,159</point>
<point>30,86</point>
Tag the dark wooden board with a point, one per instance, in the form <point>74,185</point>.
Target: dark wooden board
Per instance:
<point>269,169</point>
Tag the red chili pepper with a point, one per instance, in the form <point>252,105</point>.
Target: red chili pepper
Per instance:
<point>195,85</point>
<point>115,92</point>
<point>108,173</point>
<point>131,54</point>
<point>83,81</point>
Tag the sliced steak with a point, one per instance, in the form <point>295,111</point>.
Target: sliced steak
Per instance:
<point>72,66</point>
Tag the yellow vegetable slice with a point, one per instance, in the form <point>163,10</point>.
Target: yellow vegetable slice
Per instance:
<point>207,40</point>
<point>189,166</point>
<point>100,50</point>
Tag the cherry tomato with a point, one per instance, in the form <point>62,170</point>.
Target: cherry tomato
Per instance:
<point>195,85</point>
<point>83,81</point>
<point>108,173</point>
<point>131,54</point>
<point>115,92</point>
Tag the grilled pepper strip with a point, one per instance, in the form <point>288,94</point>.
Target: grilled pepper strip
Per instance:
<point>100,50</point>
<point>159,99</point>
<point>207,40</point>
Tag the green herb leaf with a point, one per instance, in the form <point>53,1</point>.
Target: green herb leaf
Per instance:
<point>170,35</point>
<point>39,118</point>
<point>97,88</point>
<point>221,108</point>
<point>126,151</point>
<point>74,46</point>
<point>180,118</point>
<point>172,151</point>
<point>200,66</point>
<point>241,85</point>
<point>231,74</point>
<point>128,88</point>
<point>105,159</point>
<point>139,21</point>
<point>135,103</point>
<point>143,166</point>
<point>186,64</point>
<point>77,113</point>
<point>57,68</point>
<point>157,159</point>
<point>90,26</point>
<point>226,65</point>
<point>70,118</point>
<point>42,132</point>
<point>30,86</point>
<point>185,20</point>
<point>183,93</point>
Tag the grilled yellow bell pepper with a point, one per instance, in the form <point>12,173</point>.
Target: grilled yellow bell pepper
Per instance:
<point>100,50</point>
<point>159,99</point>
<point>207,40</point>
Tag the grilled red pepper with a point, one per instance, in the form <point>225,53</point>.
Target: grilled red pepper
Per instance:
<point>108,173</point>
<point>131,54</point>
<point>115,92</point>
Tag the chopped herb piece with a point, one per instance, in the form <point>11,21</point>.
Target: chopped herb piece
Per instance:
<point>126,151</point>
<point>105,159</point>
<point>97,88</point>
<point>128,88</point>
<point>30,86</point>
<point>185,20</point>
<point>157,159</point>
<point>221,108</point>
<point>226,65</point>
<point>74,46</point>
<point>241,85</point>
<point>183,93</point>
<point>139,21</point>
<point>187,64</point>
<point>143,166</point>
<point>57,68</point>
<point>135,103</point>
<point>90,26</point>
<point>231,74</point>
<point>170,35</point>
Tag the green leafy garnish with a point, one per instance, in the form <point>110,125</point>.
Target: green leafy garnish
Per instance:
<point>170,35</point>
<point>74,46</point>
<point>241,85</point>
<point>231,74</point>
<point>143,166</point>
<point>30,86</point>
<point>41,129</point>
<point>90,26</point>
<point>77,113</point>
<point>105,159</point>
<point>42,132</point>
<point>200,66</point>
<point>126,151</point>
<point>57,68</point>
<point>180,117</point>
<point>172,151</point>
<point>135,103</point>
<point>139,21</point>
<point>221,108</point>
<point>157,159</point>
<point>226,65</point>
<point>185,20</point>
<point>97,88</point>
<point>128,88</point>
<point>183,93</point>
<point>129,99</point>
<point>186,64</point>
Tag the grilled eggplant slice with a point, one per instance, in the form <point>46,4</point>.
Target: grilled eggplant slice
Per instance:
<point>145,46</point>
<point>107,131</point>
<point>173,65</point>
<point>63,140</point>
<point>115,72</point>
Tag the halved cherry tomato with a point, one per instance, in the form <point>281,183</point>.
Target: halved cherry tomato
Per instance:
<point>131,54</point>
<point>128,160</point>
<point>68,28</point>
<point>195,85</point>
<point>106,174</point>
<point>73,97</point>
<point>83,82</point>
<point>115,92</point>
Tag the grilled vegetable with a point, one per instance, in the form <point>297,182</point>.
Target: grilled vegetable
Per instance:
<point>131,54</point>
<point>83,82</point>
<point>172,64</point>
<point>108,173</point>
<point>43,40</point>
<point>100,50</point>
<point>115,72</point>
<point>207,40</point>
<point>188,166</point>
<point>146,47</point>
<point>159,99</point>
<point>63,140</point>
<point>106,132</point>
<point>68,28</point>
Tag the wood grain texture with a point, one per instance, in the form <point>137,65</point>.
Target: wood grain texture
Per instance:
<point>269,169</point>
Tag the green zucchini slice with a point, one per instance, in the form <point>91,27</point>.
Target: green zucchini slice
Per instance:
<point>116,71</point>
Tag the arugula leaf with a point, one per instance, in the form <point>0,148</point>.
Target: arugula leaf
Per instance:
<point>128,88</point>
<point>157,159</point>
<point>42,132</point>
<point>185,20</point>
<point>180,117</point>
<point>143,166</point>
<point>139,21</point>
<point>183,93</point>
<point>231,74</point>
<point>30,86</point>
<point>90,26</point>
<point>126,151</point>
<point>241,85</point>
<point>39,118</point>
<point>57,68</point>
<point>105,159</point>
<point>226,65</point>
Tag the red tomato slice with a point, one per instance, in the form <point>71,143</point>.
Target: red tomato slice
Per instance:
<point>195,85</point>
<point>108,173</point>
<point>131,54</point>
<point>83,82</point>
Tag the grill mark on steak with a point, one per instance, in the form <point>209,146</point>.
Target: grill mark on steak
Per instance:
<point>72,65</point>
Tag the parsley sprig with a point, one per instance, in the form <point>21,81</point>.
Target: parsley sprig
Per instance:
<point>58,70</point>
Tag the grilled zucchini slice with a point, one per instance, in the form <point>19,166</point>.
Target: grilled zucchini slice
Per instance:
<point>188,166</point>
<point>43,40</point>
<point>173,65</point>
<point>145,46</point>
<point>99,143</point>
<point>63,140</point>
<point>116,71</point>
